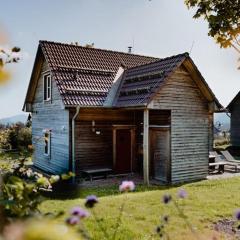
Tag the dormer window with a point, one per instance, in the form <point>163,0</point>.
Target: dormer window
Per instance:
<point>47,87</point>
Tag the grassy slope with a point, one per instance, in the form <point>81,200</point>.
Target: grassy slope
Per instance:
<point>207,202</point>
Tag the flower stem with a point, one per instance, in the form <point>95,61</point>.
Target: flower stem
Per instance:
<point>184,217</point>
<point>98,221</point>
<point>84,231</point>
<point>119,219</point>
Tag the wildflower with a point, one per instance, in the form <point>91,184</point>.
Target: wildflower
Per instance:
<point>167,198</point>
<point>237,214</point>
<point>165,218</point>
<point>73,220</point>
<point>127,186</point>
<point>182,193</point>
<point>158,229</point>
<point>91,200</point>
<point>81,213</point>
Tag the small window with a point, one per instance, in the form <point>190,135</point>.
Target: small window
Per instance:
<point>47,87</point>
<point>47,143</point>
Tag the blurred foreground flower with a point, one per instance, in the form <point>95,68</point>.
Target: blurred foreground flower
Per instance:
<point>127,186</point>
<point>182,193</point>
<point>91,200</point>
<point>80,212</point>
<point>7,56</point>
<point>166,198</point>
<point>237,214</point>
<point>4,76</point>
<point>73,220</point>
<point>41,229</point>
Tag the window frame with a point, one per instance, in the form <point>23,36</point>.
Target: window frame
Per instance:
<point>47,87</point>
<point>48,143</point>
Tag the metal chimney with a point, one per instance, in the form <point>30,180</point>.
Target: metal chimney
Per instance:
<point>129,49</point>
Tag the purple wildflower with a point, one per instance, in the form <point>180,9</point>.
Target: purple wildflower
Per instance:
<point>91,200</point>
<point>237,214</point>
<point>73,220</point>
<point>127,186</point>
<point>165,218</point>
<point>167,198</point>
<point>158,229</point>
<point>182,193</point>
<point>81,213</point>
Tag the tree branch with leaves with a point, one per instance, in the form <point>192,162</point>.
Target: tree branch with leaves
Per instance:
<point>223,17</point>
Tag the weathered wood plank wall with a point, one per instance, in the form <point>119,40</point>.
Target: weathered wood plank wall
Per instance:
<point>190,126</point>
<point>235,123</point>
<point>50,115</point>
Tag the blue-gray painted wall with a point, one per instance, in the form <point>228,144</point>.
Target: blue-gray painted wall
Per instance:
<point>50,115</point>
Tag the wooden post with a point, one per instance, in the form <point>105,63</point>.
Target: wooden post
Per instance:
<point>146,146</point>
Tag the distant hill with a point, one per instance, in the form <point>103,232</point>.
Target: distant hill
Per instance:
<point>17,118</point>
<point>223,119</point>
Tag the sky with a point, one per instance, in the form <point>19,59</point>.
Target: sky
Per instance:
<point>159,28</point>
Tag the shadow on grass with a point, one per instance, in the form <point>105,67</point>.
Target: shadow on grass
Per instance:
<point>65,190</point>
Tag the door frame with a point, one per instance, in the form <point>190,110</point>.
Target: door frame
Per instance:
<point>169,165</point>
<point>132,129</point>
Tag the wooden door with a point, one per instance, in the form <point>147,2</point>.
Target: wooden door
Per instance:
<point>123,154</point>
<point>160,153</point>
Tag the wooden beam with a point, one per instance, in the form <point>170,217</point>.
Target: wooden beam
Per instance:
<point>114,148</point>
<point>146,146</point>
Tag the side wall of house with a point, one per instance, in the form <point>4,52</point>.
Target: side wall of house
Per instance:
<point>235,123</point>
<point>50,115</point>
<point>191,126</point>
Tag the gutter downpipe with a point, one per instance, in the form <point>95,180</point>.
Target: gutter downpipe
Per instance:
<point>73,141</point>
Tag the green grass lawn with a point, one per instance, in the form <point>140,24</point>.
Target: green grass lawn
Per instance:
<point>207,202</point>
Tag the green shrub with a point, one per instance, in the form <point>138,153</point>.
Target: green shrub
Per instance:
<point>4,143</point>
<point>17,137</point>
<point>24,138</point>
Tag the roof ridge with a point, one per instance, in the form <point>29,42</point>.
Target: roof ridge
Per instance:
<point>186,54</point>
<point>96,49</point>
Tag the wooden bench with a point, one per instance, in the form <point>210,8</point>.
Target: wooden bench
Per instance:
<point>235,165</point>
<point>99,171</point>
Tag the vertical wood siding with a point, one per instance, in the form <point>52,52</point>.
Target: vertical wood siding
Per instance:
<point>50,115</point>
<point>92,150</point>
<point>190,126</point>
<point>235,123</point>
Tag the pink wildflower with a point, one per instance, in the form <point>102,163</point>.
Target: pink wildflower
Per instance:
<point>81,213</point>
<point>127,186</point>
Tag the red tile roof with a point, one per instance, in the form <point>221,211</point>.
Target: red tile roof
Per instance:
<point>85,75</point>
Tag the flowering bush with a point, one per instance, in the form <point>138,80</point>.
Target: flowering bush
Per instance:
<point>21,189</point>
<point>41,229</point>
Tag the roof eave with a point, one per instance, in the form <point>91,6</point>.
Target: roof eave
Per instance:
<point>36,62</point>
<point>205,84</point>
<point>229,107</point>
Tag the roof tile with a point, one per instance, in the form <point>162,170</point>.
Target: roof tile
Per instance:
<point>77,67</point>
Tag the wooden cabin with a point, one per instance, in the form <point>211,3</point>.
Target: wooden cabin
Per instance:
<point>234,109</point>
<point>100,109</point>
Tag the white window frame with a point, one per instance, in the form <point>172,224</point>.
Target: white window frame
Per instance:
<point>48,144</point>
<point>48,78</point>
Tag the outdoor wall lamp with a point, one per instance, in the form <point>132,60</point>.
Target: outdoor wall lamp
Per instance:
<point>93,126</point>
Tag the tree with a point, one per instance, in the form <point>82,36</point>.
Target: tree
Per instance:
<point>223,18</point>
